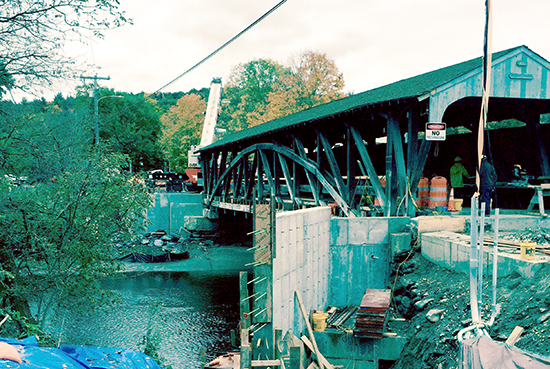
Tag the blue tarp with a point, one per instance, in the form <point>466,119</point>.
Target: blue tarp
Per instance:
<point>75,357</point>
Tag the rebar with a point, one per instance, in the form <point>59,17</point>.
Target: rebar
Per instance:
<point>257,280</point>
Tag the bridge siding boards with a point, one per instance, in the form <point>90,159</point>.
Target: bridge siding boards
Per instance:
<point>314,136</point>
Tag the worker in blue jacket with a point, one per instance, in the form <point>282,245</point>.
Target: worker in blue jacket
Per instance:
<point>488,182</point>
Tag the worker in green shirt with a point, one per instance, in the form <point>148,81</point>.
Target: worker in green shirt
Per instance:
<point>458,173</point>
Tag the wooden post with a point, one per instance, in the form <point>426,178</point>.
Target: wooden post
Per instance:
<point>412,150</point>
<point>309,330</point>
<point>246,351</point>
<point>399,161</point>
<point>422,157</point>
<point>333,166</point>
<point>263,345</point>
<point>295,356</point>
<point>351,165</point>
<point>369,167</point>
<point>313,183</point>
<point>389,170</point>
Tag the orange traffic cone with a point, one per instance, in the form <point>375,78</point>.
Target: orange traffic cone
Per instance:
<point>451,205</point>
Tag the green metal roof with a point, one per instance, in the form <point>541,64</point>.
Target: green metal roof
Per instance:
<point>407,88</point>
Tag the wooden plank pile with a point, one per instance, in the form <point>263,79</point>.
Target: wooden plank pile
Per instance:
<point>372,315</point>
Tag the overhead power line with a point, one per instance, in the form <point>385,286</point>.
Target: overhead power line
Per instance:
<point>210,55</point>
<point>223,46</point>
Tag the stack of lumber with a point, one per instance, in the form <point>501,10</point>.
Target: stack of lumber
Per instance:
<point>372,314</point>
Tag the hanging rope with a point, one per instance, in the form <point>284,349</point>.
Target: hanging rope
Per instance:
<point>487,61</point>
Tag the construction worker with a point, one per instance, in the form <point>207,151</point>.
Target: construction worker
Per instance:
<point>488,182</point>
<point>519,175</point>
<point>458,173</point>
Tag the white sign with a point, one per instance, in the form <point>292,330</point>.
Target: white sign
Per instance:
<point>436,131</point>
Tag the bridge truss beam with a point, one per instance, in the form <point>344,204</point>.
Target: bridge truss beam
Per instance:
<point>358,161</point>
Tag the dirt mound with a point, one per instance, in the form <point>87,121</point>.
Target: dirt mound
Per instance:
<point>436,304</point>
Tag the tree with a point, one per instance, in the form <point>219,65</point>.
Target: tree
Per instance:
<point>263,90</point>
<point>314,80</point>
<point>61,203</point>
<point>37,139</point>
<point>129,124</point>
<point>6,80</point>
<point>35,33</point>
<point>247,90</point>
<point>182,127</point>
<point>56,237</point>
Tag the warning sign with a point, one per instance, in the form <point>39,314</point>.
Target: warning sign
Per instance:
<point>436,131</point>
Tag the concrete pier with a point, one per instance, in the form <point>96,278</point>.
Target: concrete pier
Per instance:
<point>168,210</point>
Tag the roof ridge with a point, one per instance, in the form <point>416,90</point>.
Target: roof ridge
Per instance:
<point>406,88</point>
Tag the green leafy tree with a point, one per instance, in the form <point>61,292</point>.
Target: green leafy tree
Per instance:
<point>247,91</point>
<point>56,237</point>
<point>34,34</point>
<point>128,124</point>
<point>6,80</point>
<point>263,90</point>
<point>314,80</point>
<point>166,100</point>
<point>182,127</point>
<point>61,203</point>
<point>37,139</point>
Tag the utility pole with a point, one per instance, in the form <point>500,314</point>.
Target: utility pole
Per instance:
<point>96,110</point>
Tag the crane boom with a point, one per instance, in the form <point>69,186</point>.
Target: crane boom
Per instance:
<point>209,129</point>
<point>212,112</point>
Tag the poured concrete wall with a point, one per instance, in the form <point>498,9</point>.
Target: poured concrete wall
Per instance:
<point>452,251</point>
<point>360,256</point>
<point>300,262</point>
<point>168,210</point>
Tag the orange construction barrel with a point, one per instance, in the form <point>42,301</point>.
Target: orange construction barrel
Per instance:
<point>383,183</point>
<point>423,192</point>
<point>438,192</point>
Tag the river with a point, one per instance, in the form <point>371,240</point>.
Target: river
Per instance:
<point>194,310</point>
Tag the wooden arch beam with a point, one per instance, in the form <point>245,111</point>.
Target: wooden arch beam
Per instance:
<point>307,164</point>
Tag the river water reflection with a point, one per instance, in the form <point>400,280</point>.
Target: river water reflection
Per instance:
<point>196,309</point>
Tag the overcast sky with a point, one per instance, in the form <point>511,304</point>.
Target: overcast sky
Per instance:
<point>372,42</point>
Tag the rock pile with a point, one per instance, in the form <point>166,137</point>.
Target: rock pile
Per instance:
<point>435,303</point>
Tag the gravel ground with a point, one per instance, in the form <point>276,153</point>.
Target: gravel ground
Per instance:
<point>433,343</point>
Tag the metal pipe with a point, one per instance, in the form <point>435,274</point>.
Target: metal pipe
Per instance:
<point>473,261</point>
<point>249,297</point>
<point>257,231</point>
<point>260,328</point>
<point>480,257</point>
<point>261,311</point>
<point>255,263</point>
<point>495,261</point>
<point>257,280</point>
<point>257,248</point>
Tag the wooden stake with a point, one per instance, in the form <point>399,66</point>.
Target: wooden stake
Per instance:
<point>514,337</point>
<point>309,330</point>
<point>310,346</point>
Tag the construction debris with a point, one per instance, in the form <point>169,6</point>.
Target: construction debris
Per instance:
<point>539,235</point>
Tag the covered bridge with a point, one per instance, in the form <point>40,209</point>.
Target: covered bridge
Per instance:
<point>370,148</point>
